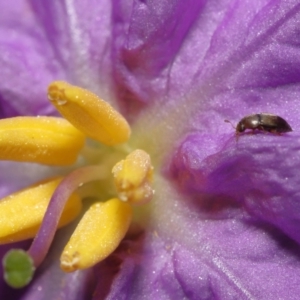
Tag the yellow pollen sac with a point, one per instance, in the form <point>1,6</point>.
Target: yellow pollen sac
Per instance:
<point>97,235</point>
<point>22,212</point>
<point>90,114</point>
<point>45,140</point>
<point>133,178</point>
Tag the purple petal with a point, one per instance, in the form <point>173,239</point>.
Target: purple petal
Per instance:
<point>21,175</point>
<point>228,52</point>
<point>43,42</point>
<point>79,34</point>
<point>148,37</point>
<point>251,172</point>
<point>226,259</point>
<point>27,62</point>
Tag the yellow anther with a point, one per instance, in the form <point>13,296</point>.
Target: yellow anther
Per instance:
<point>22,212</point>
<point>98,234</point>
<point>133,178</point>
<point>46,140</point>
<point>90,114</point>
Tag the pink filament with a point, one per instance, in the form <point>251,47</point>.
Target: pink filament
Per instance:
<point>42,241</point>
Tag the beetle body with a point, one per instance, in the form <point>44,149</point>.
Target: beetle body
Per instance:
<point>263,122</point>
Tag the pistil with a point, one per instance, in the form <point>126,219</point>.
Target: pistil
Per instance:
<point>69,184</point>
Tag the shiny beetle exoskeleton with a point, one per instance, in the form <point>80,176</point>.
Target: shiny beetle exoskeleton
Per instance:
<point>263,122</point>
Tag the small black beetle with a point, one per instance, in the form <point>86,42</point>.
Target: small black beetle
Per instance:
<point>264,122</point>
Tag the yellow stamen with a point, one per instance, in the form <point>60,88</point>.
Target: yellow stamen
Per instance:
<point>97,235</point>
<point>90,114</point>
<point>133,178</point>
<point>46,140</point>
<point>22,212</point>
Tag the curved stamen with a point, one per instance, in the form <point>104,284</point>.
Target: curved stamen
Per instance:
<point>41,244</point>
<point>88,113</point>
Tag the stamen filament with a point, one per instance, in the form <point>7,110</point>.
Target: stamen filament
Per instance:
<point>69,184</point>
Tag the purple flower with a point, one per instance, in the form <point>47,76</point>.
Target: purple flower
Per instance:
<point>223,223</point>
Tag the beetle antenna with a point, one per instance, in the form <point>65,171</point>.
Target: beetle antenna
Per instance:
<point>227,121</point>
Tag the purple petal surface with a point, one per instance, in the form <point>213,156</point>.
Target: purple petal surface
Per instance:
<point>27,62</point>
<point>47,41</point>
<point>148,36</point>
<point>80,37</point>
<point>226,259</point>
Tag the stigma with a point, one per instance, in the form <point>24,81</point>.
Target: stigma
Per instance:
<point>37,211</point>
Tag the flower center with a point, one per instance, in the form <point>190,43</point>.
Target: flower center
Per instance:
<point>38,210</point>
